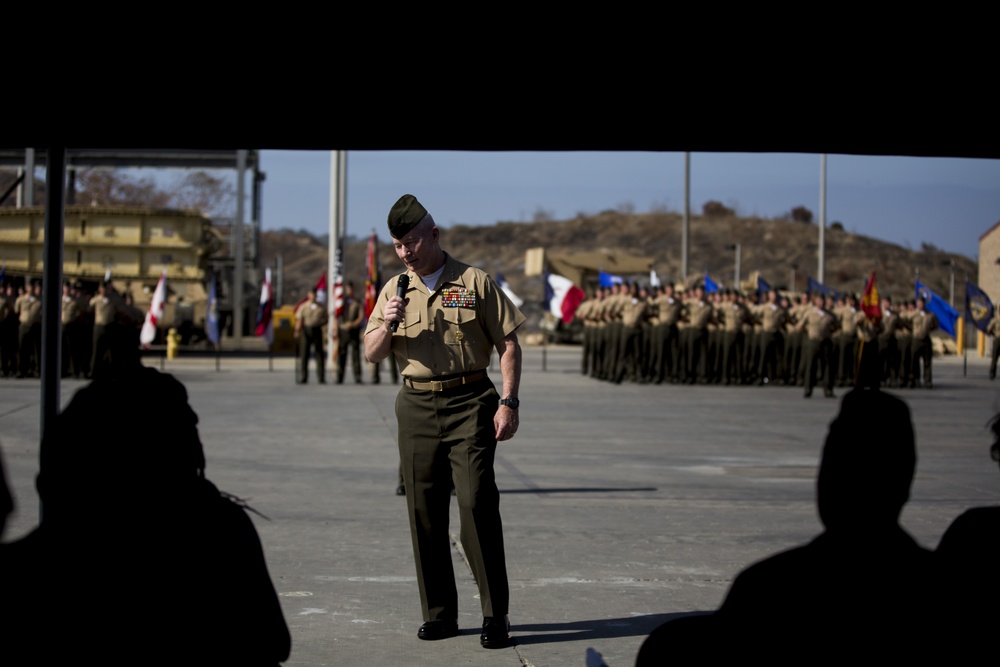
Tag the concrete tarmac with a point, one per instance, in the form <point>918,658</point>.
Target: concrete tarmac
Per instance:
<point>624,505</point>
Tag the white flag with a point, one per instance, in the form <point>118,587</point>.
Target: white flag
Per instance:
<point>155,313</point>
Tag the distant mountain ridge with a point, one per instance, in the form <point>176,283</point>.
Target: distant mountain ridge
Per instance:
<point>771,246</point>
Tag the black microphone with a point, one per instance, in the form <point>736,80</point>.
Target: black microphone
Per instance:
<point>401,287</point>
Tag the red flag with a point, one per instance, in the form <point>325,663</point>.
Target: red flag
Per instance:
<point>371,282</point>
<point>870,301</point>
<point>320,292</point>
<point>155,313</point>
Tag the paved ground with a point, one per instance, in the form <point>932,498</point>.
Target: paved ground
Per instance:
<point>624,506</point>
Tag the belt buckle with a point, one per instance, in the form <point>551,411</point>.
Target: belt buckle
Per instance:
<point>437,385</point>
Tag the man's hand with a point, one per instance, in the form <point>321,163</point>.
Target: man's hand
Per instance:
<point>505,421</point>
<point>393,311</point>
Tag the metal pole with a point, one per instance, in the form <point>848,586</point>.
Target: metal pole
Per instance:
<point>239,265</point>
<point>736,277</point>
<point>686,228</point>
<point>51,365</point>
<point>335,230</point>
<point>822,218</point>
<point>951,295</point>
<point>28,187</point>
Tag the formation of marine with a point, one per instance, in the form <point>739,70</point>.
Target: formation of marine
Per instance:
<point>98,330</point>
<point>669,334</point>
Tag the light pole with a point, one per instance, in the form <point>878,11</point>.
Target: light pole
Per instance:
<point>736,275</point>
<point>951,293</point>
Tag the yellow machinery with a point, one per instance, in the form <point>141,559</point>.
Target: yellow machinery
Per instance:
<point>134,245</point>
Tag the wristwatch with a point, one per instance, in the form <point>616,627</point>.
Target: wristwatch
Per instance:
<point>511,403</point>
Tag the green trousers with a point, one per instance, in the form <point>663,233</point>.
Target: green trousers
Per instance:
<point>448,438</point>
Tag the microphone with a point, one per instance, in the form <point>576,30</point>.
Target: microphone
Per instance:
<point>401,287</point>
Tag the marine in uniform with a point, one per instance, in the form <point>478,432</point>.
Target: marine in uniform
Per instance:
<point>105,304</point>
<point>310,318</point>
<point>772,318</point>
<point>818,325</point>
<point>8,331</point>
<point>867,361</point>
<point>629,347</point>
<point>847,344</point>
<point>904,338</point>
<point>732,316</point>
<point>922,324</point>
<point>72,321</point>
<point>29,331</point>
<point>349,333</point>
<point>887,349</point>
<point>665,336</point>
<point>698,314</point>
<point>450,416</point>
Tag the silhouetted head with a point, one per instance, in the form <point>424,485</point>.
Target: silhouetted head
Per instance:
<point>129,438</point>
<point>868,462</point>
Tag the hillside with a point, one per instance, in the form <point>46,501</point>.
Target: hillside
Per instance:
<point>771,246</point>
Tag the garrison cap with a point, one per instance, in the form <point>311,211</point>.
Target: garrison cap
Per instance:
<point>404,216</point>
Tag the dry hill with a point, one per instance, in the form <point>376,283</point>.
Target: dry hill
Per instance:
<point>770,246</point>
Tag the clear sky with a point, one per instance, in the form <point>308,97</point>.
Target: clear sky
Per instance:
<point>947,202</point>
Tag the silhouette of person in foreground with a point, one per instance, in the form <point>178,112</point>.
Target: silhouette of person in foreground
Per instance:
<point>138,559</point>
<point>967,557</point>
<point>858,589</point>
<point>6,499</point>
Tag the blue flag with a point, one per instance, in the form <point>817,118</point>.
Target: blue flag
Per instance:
<point>946,315</point>
<point>978,307</point>
<point>212,314</point>
<point>608,280</point>
<point>818,287</point>
<point>762,286</point>
<point>710,285</point>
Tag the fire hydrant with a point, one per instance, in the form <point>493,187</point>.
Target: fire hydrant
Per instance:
<point>173,342</point>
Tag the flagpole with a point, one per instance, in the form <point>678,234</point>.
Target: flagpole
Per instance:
<point>965,348</point>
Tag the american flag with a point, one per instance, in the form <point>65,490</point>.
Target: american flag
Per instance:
<point>265,325</point>
<point>338,279</point>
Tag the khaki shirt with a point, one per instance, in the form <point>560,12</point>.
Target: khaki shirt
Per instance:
<point>733,316</point>
<point>670,309</point>
<point>699,314</point>
<point>311,314</point>
<point>923,323</point>
<point>105,308</point>
<point>771,317</point>
<point>890,322</point>
<point>817,323</point>
<point>849,320</point>
<point>453,329</point>
<point>71,309</point>
<point>585,312</point>
<point>903,326</point>
<point>633,311</point>
<point>29,309</point>
<point>351,313</point>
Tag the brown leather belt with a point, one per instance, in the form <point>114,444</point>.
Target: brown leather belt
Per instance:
<point>441,385</point>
